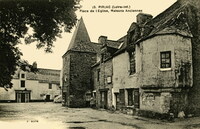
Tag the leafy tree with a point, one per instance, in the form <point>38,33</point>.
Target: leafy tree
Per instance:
<point>47,18</point>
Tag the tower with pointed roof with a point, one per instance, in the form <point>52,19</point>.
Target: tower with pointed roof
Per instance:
<point>76,71</point>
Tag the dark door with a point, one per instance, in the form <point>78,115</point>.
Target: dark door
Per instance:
<point>122,97</point>
<point>101,99</point>
<point>105,99</point>
<point>117,100</point>
<point>130,97</point>
<point>47,98</point>
<point>23,97</point>
<point>136,98</point>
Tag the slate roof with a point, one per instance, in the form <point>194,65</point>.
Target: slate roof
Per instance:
<point>43,75</point>
<point>96,47</point>
<point>171,21</point>
<point>80,36</point>
<point>80,41</point>
<point>86,47</point>
<point>122,38</point>
<point>113,44</point>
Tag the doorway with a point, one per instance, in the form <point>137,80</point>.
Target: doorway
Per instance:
<point>136,98</point>
<point>22,97</point>
<point>47,98</point>
<point>104,99</point>
<point>117,101</point>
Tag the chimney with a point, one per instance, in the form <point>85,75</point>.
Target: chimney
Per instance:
<point>143,18</point>
<point>35,64</point>
<point>102,40</point>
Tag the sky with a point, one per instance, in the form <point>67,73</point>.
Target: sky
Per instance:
<point>114,25</point>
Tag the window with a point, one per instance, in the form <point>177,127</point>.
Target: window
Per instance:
<point>50,86</point>
<point>109,80</point>
<point>165,59</point>
<point>132,62</point>
<point>98,74</point>
<point>22,83</point>
<point>22,75</point>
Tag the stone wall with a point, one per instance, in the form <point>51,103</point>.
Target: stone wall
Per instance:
<point>157,102</point>
<point>96,84</point>
<point>181,53</point>
<point>121,75</point>
<point>159,86</point>
<point>66,79</point>
<point>80,77</point>
<point>193,15</point>
<point>105,82</point>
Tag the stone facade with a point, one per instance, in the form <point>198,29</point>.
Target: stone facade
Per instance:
<point>193,20</point>
<point>79,77</point>
<point>154,67</point>
<point>156,62</point>
<point>103,73</point>
<point>160,85</point>
<point>104,85</point>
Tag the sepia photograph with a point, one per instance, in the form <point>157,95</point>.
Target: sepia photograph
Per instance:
<point>99,64</point>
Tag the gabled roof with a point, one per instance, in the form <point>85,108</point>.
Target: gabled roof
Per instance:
<point>43,75</point>
<point>79,37</point>
<point>171,21</point>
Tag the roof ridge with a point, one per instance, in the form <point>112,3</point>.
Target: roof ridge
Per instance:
<point>113,40</point>
<point>48,69</point>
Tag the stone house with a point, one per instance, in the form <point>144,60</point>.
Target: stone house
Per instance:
<point>156,67</point>
<point>153,68</point>
<point>103,72</point>
<point>76,72</point>
<point>166,55</point>
<point>125,78</point>
<point>33,87</point>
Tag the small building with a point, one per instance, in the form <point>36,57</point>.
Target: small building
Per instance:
<point>43,85</point>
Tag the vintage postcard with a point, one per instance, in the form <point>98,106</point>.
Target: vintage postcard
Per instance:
<point>113,64</point>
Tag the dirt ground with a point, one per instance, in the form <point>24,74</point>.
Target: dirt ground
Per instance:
<point>54,116</point>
